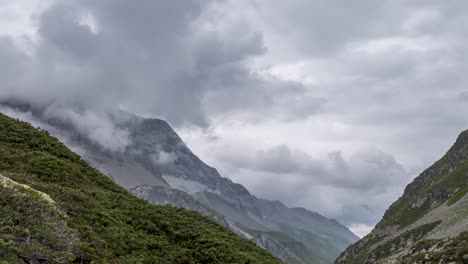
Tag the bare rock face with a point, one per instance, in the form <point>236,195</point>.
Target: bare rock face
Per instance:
<point>157,166</point>
<point>429,223</point>
<point>186,181</point>
<point>168,196</point>
<point>322,239</point>
<point>274,247</point>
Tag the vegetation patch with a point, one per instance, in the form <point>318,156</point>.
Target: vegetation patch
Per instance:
<point>363,255</point>
<point>32,227</point>
<point>402,241</point>
<point>444,183</point>
<point>448,250</point>
<point>112,225</point>
<point>451,188</point>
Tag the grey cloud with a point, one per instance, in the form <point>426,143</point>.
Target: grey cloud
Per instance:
<point>318,28</point>
<point>276,160</point>
<point>10,63</point>
<point>153,58</point>
<point>279,159</point>
<point>387,75</point>
<point>463,96</point>
<point>72,125</point>
<point>354,189</point>
<point>222,48</point>
<point>370,169</point>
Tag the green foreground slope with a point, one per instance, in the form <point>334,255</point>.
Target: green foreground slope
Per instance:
<point>55,208</point>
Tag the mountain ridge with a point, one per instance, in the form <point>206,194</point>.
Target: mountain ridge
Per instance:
<point>429,222</point>
<point>159,153</point>
<point>186,172</point>
<point>112,226</point>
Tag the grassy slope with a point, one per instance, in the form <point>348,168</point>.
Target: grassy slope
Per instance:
<point>441,180</point>
<point>446,179</point>
<point>404,214</point>
<point>112,225</point>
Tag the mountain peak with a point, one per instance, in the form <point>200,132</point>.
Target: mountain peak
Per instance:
<point>454,157</point>
<point>62,210</point>
<point>157,165</point>
<point>460,146</point>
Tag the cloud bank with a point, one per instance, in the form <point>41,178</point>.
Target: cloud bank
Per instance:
<point>328,105</point>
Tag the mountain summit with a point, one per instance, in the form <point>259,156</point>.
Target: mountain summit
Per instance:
<point>157,166</point>
<point>293,235</point>
<point>429,223</point>
<point>55,208</point>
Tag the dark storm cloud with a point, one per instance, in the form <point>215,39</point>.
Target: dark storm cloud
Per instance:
<point>133,59</point>
<point>384,76</point>
<point>154,58</point>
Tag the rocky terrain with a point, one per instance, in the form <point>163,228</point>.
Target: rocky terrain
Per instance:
<point>157,166</point>
<point>56,208</point>
<point>429,223</point>
<point>183,180</point>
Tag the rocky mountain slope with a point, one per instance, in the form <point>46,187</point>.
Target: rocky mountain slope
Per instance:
<point>56,208</point>
<point>429,223</point>
<point>158,167</point>
<point>294,235</point>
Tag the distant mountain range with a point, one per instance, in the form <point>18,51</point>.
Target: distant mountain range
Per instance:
<point>56,208</point>
<point>429,223</point>
<point>158,167</point>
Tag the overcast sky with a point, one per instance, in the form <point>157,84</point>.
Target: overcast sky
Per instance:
<point>329,105</point>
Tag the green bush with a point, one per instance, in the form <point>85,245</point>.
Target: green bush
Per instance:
<point>110,224</point>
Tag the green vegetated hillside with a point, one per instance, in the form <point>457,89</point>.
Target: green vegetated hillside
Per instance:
<point>429,223</point>
<point>55,208</point>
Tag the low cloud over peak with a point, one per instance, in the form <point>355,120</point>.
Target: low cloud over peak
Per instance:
<point>342,103</point>
<point>152,58</point>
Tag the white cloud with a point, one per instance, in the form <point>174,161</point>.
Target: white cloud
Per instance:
<point>163,157</point>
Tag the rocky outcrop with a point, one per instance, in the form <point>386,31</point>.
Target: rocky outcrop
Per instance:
<point>275,248</point>
<point>154,142</point>
<point>157,166</point>
<point>167,196</point>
